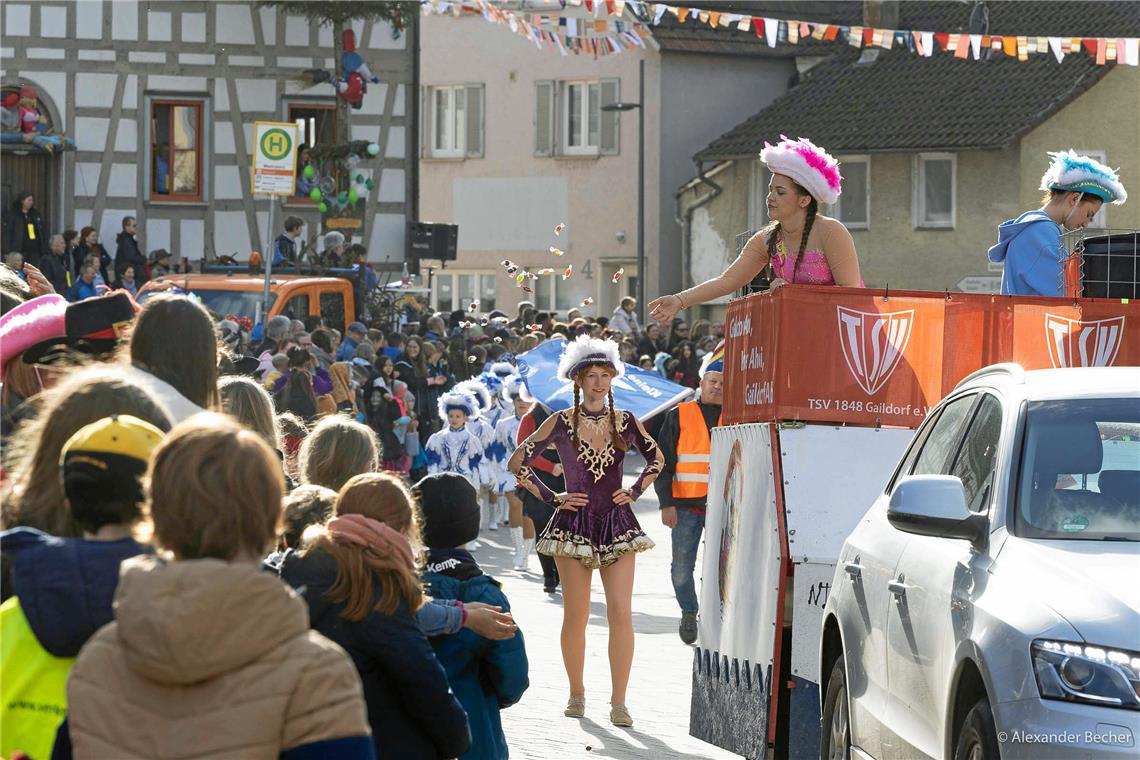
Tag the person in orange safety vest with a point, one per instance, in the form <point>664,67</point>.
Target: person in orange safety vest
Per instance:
<point>683,485</point>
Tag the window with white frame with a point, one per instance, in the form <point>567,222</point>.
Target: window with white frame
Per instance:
<point>581,117</point>
<point>454,121</point>
<point>854,206</point>
<point>935,189</point>
<point>569,120</point>
<point>457,290</point>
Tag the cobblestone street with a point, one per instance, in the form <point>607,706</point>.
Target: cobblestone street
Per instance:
<point>660,682</point>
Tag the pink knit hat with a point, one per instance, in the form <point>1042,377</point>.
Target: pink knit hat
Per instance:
<point>29,323</point>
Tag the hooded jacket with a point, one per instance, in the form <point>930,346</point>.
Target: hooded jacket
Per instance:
<point>414,715</point>
<point>64,588</point>
<point>1031,248</point>
<point>212,659</point>
<point>486,675</point>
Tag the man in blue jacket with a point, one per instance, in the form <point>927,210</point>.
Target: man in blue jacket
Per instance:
<point>1031,246</point>
<point>486,676</point>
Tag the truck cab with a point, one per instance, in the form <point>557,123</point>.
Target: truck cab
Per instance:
<point>295,296</point>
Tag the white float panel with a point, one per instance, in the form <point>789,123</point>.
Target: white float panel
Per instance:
<point>812,587</point>
<point>832,475</point>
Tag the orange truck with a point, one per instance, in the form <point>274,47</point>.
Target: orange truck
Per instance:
<point>295,296</point>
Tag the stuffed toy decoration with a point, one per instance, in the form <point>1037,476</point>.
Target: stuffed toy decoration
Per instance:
<point>31,121</point>
<point>10,116</point>
<point>354,73</point>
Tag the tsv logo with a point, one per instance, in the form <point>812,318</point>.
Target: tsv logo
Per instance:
<point>873,344</point>
<point>1073,343</point>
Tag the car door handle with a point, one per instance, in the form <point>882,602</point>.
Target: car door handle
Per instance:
<point>855,571</point>
<point>897,588</point>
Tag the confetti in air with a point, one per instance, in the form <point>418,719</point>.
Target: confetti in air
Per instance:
<point>588,301</point>
<point>547,270</point>
<point>484,321</point>
<point>559,228</point>
<point>618,274</point>
<point>498,339</point>
<point>520,277</point>
<point>506,263</point>
<point>475,304</point>
<point>471,360</point>
<point>557,251</point>
<point>569,271</point>
<point>527,290</point>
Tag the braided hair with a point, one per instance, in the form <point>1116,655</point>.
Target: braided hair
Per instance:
<point>775,229</point>
<point>615,437</point>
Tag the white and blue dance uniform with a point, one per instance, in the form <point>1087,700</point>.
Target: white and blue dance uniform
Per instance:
<point>459,451</point>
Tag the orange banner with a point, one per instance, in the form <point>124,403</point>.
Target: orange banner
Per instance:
<point>868,357</point>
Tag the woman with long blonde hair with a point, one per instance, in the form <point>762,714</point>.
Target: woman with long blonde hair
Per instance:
<point>593,527</point>
<point>358,574</point>
<point>335,450</point>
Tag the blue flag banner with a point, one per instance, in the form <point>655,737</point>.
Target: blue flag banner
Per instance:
<point>640,391</point>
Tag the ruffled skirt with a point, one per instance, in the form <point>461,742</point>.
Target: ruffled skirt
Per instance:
<point>595,536</point>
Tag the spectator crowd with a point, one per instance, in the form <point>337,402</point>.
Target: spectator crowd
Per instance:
<point>286,477</point>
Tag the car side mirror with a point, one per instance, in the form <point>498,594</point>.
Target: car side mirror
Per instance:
<point>935,505</point>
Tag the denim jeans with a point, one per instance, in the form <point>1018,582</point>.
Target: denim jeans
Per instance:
<point>686,539</point>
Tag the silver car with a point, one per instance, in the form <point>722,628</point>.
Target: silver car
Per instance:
<point>988,603</point>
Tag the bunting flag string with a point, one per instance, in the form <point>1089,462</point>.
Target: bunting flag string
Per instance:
<point>606,29</point>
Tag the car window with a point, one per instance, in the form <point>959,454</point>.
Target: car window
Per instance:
<point>977,457</point>
<point>1080,473</point>
<point>298,307</point>
<point>942,443</point>
<point>332,309</point>
<point>912,452</point>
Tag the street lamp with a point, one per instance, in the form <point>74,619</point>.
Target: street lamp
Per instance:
<point>624,106</point>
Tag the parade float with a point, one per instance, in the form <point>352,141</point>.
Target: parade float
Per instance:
<point>824,388</point>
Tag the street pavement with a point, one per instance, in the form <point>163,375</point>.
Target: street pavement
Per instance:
<point>660,683</point>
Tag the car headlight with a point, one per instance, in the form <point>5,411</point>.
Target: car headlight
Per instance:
<point>1086,673</point>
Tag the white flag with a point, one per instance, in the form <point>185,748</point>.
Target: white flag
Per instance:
<point>770,29</point>
<point>1055,46</point>
<point>975,45</point>
<point>928,44</point>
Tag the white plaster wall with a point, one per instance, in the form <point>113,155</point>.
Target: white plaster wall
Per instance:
<point>17,20</point>
<point>193,239</point>
<point>176,84</point>
<point>86,179</point>
<point>157,235</point>
<point>91,133</point>
<point>233,23</point>
<point>396,147</point>
<point>392,187</point>
<point>268,17</point>
<point>221,95</point>
<point>193,27</point>
<point>130,92</point>
<point>124,181</point>
<point>296,31</point>
<point>94,90</point>
<point>256,95</point>
<point>709,255</point>
<point>53,21</point>
<point>223,137</point>
<point>386,238</point>
<point>88,20</point>
<point>126,136</point>
<point>227,183</point>
<point>125,20</point>
<point>158,29</point>
<point>230,235</point>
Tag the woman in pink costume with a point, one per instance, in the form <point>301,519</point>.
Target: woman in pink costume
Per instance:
<point>593,527</point>
<point>801,245</point>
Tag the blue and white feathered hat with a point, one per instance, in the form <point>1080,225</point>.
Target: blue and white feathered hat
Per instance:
<point>502,369</point>
<point>477,390</point>
<point>585,351</point>
<point>1072,172</point>
<point>490,381</point>
<point>458,399</point>
<point>713,361</point>
<point>514,387</point>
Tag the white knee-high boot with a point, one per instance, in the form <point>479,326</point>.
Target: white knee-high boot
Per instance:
<point>484,510</point>
<point>528,549</point>
<point>520,548</point>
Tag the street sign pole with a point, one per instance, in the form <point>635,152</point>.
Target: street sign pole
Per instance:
<point>274,173</point>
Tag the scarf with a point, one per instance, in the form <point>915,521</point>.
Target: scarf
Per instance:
<point>373,534</point>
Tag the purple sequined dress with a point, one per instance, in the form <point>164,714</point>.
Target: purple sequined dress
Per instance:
<point>600,532</point>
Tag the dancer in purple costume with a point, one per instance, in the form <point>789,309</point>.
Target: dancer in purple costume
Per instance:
<point>594,526</point>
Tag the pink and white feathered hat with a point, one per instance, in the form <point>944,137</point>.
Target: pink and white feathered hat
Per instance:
<point>38,319</point>
<point>810,166</point>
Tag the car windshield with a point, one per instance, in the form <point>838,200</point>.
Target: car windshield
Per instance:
<point>1080,476</point>
<point>222,303</point>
